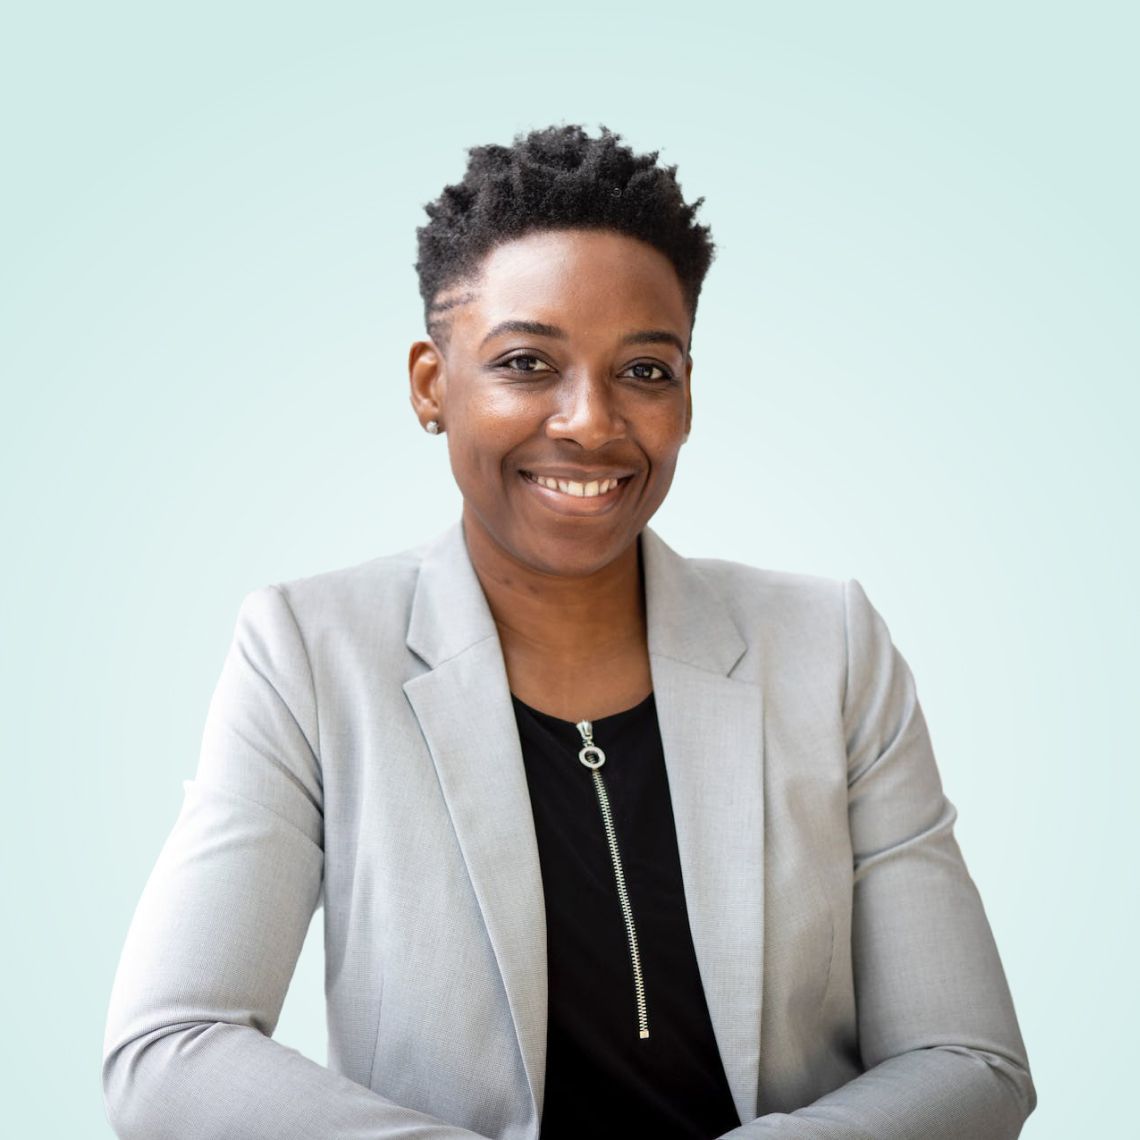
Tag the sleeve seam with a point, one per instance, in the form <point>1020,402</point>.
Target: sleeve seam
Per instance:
<point>846,655</point>
<point>309,666</point>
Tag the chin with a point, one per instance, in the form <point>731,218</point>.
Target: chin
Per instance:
<point>575,556</point>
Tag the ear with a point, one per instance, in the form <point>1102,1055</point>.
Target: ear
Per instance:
<point>427,373</point>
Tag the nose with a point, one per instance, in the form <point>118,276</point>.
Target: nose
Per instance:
<point>588,412</point>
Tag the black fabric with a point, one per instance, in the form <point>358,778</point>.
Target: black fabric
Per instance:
<point>602,1078</point>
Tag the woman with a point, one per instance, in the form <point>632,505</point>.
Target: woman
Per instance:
<point>609,841</point>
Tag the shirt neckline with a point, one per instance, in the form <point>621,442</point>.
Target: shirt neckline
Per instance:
<point>612,719</point>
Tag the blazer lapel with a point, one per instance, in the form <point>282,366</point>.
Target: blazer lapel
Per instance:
<point>464,708</point>
<point>712,736</point>
<point>711,729</point>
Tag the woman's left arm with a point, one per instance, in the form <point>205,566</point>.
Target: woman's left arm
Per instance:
<point>938,1035</point>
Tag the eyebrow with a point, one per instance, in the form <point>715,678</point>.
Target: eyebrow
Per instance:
<point>538,328</point>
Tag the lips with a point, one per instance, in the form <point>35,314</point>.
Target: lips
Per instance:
<point>581,486</point>
<point>577,496</point>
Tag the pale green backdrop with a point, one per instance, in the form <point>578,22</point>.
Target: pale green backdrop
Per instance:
<point>916,365</point>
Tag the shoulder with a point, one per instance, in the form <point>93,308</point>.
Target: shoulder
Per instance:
<point>778,601</point>
<point>792,616</point>
<point>793,598</point>
<point>749,580</point>
<point>365,603</point>
<point>804,629</point>
<point>385,576</point>
<point>781,623</point>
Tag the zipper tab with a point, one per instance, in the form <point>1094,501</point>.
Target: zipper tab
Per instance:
<point>590,754</point>
<point>593,758</point>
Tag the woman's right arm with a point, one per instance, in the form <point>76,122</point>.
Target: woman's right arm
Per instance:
<point>188,1050</point>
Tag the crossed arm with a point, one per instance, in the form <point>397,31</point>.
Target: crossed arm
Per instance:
<point>940,1043</point>
<point>188,1050</point>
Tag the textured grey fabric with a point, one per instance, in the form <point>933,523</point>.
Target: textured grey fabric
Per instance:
<point>361,753</point>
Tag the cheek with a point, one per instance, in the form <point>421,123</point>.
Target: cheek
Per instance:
<point>664,434</point>
<point>479,449</point>
<point>499,415</point>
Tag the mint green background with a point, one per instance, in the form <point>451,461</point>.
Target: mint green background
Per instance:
<point>916,365</point>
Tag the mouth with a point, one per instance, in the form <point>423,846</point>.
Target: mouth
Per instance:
<point>594,489</point>
<point>568,496</point>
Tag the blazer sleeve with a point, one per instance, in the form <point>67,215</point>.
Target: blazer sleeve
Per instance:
<point>940,1043</point>
<point>211,949</point>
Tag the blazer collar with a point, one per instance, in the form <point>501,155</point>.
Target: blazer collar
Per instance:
<point>712,736</point>
<point>686,620</point>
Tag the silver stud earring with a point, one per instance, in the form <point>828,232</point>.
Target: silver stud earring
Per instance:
<point>432,427</point>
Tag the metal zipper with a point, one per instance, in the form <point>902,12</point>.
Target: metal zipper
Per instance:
<point>593,757</point>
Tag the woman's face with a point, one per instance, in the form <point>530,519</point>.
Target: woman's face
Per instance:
<point>567,361</point>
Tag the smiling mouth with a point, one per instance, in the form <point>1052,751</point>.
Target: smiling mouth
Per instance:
<point>596,489</point>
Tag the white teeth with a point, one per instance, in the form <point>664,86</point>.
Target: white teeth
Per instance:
<point>582,490</point>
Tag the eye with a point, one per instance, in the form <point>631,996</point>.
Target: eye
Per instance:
<point>665,373</point>
<point>529,360</point>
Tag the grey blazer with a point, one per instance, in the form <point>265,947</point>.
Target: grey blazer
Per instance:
<point>361,751</point>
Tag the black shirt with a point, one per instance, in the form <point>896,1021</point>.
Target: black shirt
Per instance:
<point>602,1078</point>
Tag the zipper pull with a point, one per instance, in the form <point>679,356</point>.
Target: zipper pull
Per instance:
<point>590,754</point>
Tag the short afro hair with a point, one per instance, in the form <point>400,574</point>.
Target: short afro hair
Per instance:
<point>555,178</point>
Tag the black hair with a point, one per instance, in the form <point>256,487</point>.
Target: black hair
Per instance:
<point>555,178</point>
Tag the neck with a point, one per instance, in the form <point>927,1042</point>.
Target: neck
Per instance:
<point>578,620</point>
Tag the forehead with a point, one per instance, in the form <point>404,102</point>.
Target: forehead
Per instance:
<point>586,279</point>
